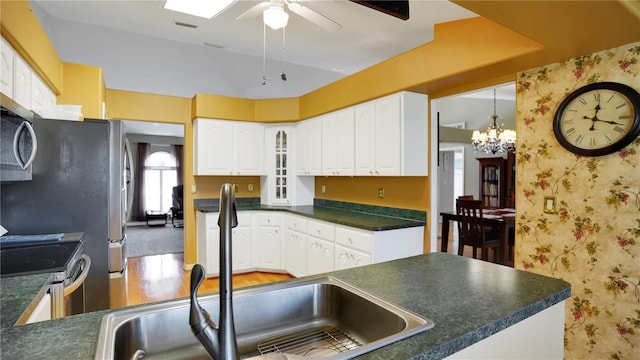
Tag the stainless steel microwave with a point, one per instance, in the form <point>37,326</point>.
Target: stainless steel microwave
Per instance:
<point>18,141</point>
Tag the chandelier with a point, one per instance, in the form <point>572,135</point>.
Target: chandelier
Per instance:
<point>495,140</point>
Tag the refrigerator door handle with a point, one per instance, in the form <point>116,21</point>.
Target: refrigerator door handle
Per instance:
<point>16,145</point>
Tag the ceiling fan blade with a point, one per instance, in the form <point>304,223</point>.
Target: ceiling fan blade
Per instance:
<point>316,18</point>
<point>254,11</point>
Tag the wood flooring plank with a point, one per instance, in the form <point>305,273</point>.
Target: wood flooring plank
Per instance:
<point>161,277</point>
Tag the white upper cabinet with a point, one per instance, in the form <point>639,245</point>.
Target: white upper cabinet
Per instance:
<point>391,136</point>
<point>365,143</point>
<point>19,82</point>
<point>249,148</point>
<point>7,60</point>
<point>309,133</point>
<point>338,143</point>
<point>279,161</point>
<point>41,95</point>
<point>228,147</point>
<point>22,83</point>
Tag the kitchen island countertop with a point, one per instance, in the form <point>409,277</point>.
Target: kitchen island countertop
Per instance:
<point>467,299</point>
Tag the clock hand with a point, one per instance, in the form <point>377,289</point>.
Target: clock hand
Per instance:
<point>593,121</point>
<point>609,122</point>
<point>595,118</point>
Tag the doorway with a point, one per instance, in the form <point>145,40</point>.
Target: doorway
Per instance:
<point>458,115</point>
<point>157,158</point>
<point>450,184</point>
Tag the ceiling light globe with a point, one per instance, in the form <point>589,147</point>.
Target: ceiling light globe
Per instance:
<point>275,17</point>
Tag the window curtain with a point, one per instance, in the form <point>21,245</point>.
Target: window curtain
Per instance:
<point>138,199</point>
<point>177,154</point>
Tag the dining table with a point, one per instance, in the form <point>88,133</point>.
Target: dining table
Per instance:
<point>503,219</point>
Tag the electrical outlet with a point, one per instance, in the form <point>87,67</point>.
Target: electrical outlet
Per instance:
<point>250,187</point>
<point>193,188</point>
<point>323,189</point>
<point>235,187</point>
<point>381,193</point>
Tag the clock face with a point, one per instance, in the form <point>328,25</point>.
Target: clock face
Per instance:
<point>598,119</point>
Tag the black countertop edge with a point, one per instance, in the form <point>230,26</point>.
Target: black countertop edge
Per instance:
<point>356,219</point>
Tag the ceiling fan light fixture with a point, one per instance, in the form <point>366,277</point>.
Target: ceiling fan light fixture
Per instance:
<point>275,17</point>
<point>203,8</point>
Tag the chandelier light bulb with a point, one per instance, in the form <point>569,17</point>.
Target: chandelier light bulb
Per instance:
<point>495,139</point>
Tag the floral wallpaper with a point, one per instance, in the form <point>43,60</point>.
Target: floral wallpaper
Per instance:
<point>592,237</point>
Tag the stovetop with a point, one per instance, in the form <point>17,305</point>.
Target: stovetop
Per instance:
<point>39,258</point>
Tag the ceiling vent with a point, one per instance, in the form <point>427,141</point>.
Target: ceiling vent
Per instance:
<point>186,25</point>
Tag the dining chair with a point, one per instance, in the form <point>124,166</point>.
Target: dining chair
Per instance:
<point>466,197</point>
<point>474,232</point>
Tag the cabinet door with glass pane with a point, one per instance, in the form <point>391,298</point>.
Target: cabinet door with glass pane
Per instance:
<point>279,159</point>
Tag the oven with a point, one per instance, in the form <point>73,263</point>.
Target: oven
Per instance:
<point>64,260</point>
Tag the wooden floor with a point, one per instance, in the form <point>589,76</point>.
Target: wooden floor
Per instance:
<point>161,277</point>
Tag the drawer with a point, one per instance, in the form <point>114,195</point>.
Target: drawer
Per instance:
<point>320,230</point>
<point>268,219</point>
<point>296,223</point>
<point>359,240</point>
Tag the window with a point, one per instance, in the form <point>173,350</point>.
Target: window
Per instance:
<point>160,178</point>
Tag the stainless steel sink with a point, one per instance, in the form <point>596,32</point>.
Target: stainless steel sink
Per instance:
<point>318,318</point>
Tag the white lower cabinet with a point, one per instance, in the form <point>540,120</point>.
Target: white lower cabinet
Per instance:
<point>319,255</point>
<point>241,243</point>
<point>267,246</point>
<point>346,258</point>
<point>208,242</point>
<point>307,247</point>
<point>295,249</point>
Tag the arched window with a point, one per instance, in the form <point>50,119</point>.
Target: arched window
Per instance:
<point>160,178</point>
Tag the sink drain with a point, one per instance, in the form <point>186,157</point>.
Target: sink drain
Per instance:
<point>316,342</point>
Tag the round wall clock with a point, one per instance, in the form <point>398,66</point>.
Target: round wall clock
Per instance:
<point>598,119</point>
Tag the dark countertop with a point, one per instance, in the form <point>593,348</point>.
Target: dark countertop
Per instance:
<point>356,219</point>
<point>467,299</point>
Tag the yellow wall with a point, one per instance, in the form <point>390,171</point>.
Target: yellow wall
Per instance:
<point>84,84</point>
<point>399,192</point>
<point>208,187</point>
<point>132,105</point>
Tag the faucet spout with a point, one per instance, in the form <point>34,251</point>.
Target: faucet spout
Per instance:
<point>220,342</point>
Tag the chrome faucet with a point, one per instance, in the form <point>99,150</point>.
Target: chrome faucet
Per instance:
<point>220,342</point>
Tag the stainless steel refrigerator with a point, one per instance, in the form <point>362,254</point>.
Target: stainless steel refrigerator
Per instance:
<point>79,184</point>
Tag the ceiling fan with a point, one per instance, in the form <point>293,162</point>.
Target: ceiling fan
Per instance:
<point>275,16</point>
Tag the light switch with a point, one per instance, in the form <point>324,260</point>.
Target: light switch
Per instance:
<point>323,189</point>
<point>250,187</point>
<point>193,188</point>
